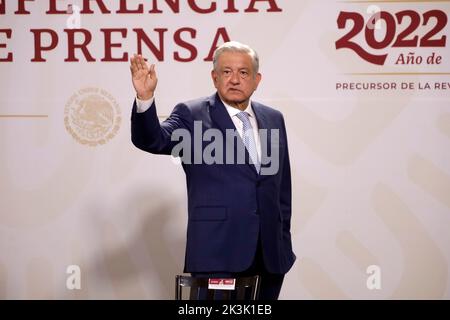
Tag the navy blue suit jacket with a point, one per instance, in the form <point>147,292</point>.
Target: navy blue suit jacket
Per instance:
<point>229,205</point>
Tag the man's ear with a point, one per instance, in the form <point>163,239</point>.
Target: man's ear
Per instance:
<point>214,77</point>
<point>258,78</point>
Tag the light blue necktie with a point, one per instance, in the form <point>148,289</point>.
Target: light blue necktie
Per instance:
<point>249,138</point>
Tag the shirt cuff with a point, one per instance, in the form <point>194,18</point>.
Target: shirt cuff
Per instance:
<point>144,105</point>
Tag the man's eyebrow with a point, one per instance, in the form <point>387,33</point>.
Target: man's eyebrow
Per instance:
<point>239,69</point>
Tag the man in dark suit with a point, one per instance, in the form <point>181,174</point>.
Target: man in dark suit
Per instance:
<point>239,203</point>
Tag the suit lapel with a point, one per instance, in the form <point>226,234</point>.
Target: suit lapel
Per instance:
<point>219,114</point>
<point>265,137</point>
<point>221,117</point>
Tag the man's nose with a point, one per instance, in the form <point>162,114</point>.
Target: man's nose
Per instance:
<point>235,79</point>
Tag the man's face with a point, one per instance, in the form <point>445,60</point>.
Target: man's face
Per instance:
<point>235,79</point>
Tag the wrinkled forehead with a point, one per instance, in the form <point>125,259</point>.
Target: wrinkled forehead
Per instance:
<point>235,60</point>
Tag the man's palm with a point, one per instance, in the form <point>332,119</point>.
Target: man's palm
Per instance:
<point>144,78</point>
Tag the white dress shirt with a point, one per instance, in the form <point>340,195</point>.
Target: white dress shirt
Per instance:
<point>239,124</point>
<point>144,105</point>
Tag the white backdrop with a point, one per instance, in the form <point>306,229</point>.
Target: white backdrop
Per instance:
<point>371,168</point>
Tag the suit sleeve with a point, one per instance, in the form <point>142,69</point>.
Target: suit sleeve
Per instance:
<point>286,187</point>
<point>148,134</point>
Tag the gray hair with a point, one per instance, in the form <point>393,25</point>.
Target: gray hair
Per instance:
<point>235,46</point>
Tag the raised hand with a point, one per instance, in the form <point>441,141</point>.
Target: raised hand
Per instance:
<point>144,78</point>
